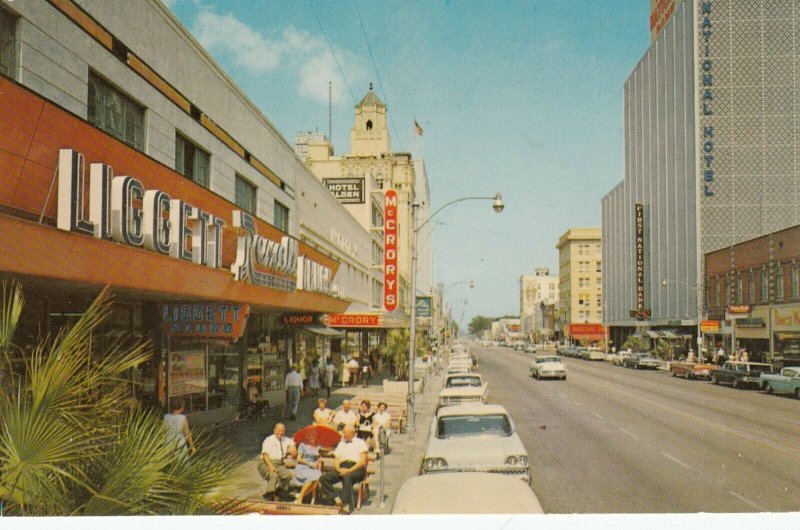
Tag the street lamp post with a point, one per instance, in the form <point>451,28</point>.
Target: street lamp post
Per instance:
<point>697,288</point>
<point>498,206</point>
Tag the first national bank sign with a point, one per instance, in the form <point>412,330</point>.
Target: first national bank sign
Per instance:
<point>121,210</point>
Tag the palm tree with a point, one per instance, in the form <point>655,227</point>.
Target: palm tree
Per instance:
<point>396,351</point>
<point>71,443</point>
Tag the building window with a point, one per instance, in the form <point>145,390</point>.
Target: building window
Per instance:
<point>717,301</point>
<point>281,217</point>
<point>583,299</point>
<point>377,218</point>
<point>245,195</point>
<point>583,266</point>
<point>751,287</point>
<point>191,161</point>
<point>764,291</point>
<point>114,112</point>
<point>8,44</point>
<point>779,282</point>
<point>795,281</point>
<point>598,267</point>
<point>739,289</point>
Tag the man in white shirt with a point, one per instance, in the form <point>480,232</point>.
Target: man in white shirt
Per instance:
<point>345,417</point>
<point>349,467</point>
<point>293,385</point>
<point>274,450</point>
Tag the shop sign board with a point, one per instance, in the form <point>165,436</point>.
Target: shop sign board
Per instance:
<point>346,190</point>
<point>639,258</point>
<point>709,326</point>
<point>302,319</point>
<point>740,309</point>
<point>204,320</point>
<point>716,314</point>
<point>577,330</point>
<point>423,306</point>
<point>353,320</point>
<point>786,318</point>
<point>187,372</point>
<point>390,234</point>
<point>750,323</point>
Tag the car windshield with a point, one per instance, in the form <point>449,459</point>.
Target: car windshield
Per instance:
<point>548,360</point>
<point>460,426</point>
<point>463,381</point>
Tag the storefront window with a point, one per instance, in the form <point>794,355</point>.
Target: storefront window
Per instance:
<point>203,374</point>
<point>787,347</point>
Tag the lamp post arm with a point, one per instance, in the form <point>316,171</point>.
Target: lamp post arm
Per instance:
<point>445,205</point>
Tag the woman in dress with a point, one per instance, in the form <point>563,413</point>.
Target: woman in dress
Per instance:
<point>365,419</point>
<point>313,378</point>
<point>309,466</point>
<point>322,414</point>
<point>381,420</point>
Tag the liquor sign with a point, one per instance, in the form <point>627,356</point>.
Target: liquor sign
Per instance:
<point>390,275</point>
<point>639,257</point>
<point>346,191</point>
<point>423,306</point>
<point>353,320</point>
<point>204,320</point>
<point>301,319</point>
<point>709,326</point>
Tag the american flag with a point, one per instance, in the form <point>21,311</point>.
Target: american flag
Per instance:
<point>418,128</point>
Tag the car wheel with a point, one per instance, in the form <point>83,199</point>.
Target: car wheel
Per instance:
<point>768,389</point>
<point>672,373</point>
<point>797,392</point>
<point>635,366</point>
<point>714,379</point>
<point>689,375</point>
<point>537,376</point>
<point>735,383</point>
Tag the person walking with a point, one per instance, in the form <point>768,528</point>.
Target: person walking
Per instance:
<point>294,386</point>
<point>313,378</point>
<point>272,468</point>
<point>329,370</point>
<point>178,428</point>
<point>349,467</point>
<point>353,367</point>
<point>366,372</point>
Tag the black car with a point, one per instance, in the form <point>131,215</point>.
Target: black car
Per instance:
<point>740,373</point>
<point>638,361</point>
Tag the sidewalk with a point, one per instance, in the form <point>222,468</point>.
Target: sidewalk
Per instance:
<point>244,438</point>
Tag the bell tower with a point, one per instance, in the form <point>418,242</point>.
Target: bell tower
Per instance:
<point>370,134</point>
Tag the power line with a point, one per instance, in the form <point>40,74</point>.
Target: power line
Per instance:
<point>327,40</point>
<point>377,73</point>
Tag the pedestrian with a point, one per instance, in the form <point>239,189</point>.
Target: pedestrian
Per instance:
<point>294,385</point>
<point>313,378</point>
<point>177,426</point>
<point>329,371</point>
<point>743,355</point>
<point>721,355</point>
<point>366,372</point>
<point>353,367</point>
<point>272,468</point>
<point>349,468</point>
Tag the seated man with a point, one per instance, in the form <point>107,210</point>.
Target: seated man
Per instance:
<point>345,417</point>
<point>274,450</point>
<point>349,467</point>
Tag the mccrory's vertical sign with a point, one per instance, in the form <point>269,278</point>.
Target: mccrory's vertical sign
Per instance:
<point>390,250</point>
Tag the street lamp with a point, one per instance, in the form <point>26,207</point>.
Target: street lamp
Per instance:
<point>497,205</point>
<point>697,288</point>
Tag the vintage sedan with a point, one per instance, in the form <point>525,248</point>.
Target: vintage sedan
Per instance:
<point>463,388</point>
<point>637,361</point>
<point>475,437</point>
<point>691,370</point>
<point>786,382</point>
<point>548,366</point>
<point>465,493</point>
<point>740,374</point>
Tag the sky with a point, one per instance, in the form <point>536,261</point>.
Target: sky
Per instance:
<point>518,97</point>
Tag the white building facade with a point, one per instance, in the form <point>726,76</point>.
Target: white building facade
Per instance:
<point>536,289</point>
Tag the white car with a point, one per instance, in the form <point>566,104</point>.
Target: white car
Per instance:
<point>595,354</point>
<point>548,366</point>
<point>475,437</point>
<point>620,358</point>
<point>459,367</point>
<point>463,388</point>
<point>434,494</point>
<point>529,348</point>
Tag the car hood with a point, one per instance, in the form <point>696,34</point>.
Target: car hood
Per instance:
<point>475,450</point>
<point>463,391</point>
<point>550,366</point>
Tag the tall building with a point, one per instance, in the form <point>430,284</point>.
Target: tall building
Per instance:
<point>535,289</point>
<point>359,179</point>
<point>580,285</point>
<point>711,157</point>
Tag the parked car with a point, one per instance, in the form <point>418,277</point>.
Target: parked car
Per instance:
<point>529,348</point>
<point>475,437</point>
<point>465,493</point>
<point>786,382</point>
<point>740,374</point>
<point>463,388</point>
<point>594,354</point>
<point>620,358</point>
<point>548,366</point>
<point>692,370</point>
<point>637,361</point>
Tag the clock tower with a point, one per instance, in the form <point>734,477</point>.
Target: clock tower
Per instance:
<point>370,134</point>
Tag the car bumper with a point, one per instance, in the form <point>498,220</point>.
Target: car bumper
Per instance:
<point>553,373</point>
<point>521,473</point>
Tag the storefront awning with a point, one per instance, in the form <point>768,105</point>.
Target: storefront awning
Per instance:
<point>324,331</point>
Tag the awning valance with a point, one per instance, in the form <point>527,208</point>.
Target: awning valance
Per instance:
<point>324,331</point>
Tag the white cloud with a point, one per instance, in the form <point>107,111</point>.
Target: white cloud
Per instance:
<point>302,53</point>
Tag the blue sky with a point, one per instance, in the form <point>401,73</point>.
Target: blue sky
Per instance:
<point>524,98</point>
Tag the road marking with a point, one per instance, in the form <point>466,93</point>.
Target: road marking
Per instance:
<point>596,415</point>
<point>679,462</point>
<point>629,433</point>
<point>748,501</point>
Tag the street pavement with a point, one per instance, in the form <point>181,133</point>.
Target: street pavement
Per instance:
<point>616,440</point>
<point>243,439</point>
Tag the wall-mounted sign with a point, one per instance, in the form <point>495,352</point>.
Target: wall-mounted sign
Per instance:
<point>715,314</point>
<point>423,306</point>
<point>204,320</point>
<point>639,257</point>
<point>302,319</point>
<point>740,309</point>
<point>353,320</point>
<point>577,330</point>
<point>706,95</point>
<point>708,326</point>
<point>750,323</point>
<point>346,190</point>
<point>390,273</point>
<point>640,314</point>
